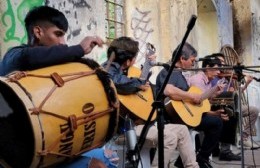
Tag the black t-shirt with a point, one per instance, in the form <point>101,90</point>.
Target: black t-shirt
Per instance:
<point>176,79</point>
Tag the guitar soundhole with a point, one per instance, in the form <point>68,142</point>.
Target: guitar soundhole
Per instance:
<point>200,105</point>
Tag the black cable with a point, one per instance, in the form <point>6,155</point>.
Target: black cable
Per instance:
<point>124,144</point>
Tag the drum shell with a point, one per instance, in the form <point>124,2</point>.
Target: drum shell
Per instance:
<point>66,101</point>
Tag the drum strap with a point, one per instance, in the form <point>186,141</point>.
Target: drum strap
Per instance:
<point>57,79</point>
<point>77,121</point>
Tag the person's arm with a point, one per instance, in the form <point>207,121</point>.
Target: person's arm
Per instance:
<point>124,84</point>
<point>36,57</point>
<point>248,80</point>
<point>219,113</point>
<point>177,94</point>
<point>199,81</point>
<point>28,58</point>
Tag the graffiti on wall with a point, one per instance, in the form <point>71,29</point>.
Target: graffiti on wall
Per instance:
<point>11,17</point>
<point>80,15</point>
<point>141,26</point>
<point>83,21</point>
<point>256,37</point>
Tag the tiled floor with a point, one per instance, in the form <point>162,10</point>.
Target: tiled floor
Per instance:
<point>251,160</point>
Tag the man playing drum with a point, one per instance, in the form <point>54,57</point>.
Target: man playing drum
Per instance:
<point>46,43</point>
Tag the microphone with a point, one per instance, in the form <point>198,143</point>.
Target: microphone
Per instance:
<point>192,22</point>
<point>202,59</point>
<point>131,138</point>
<point>165,65</point>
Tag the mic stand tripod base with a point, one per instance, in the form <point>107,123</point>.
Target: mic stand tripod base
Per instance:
<point>132,158</point>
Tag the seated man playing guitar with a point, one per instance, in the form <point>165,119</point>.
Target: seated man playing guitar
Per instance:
<point>124,50</point>
<point>203,81</point>
<point>177,90</point>
<point>250,111</point>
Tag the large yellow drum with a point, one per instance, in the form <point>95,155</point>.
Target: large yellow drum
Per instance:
<point>54,113</point>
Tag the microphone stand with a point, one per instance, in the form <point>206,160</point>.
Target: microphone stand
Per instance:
<point>159,103</point>
<point>238,70</point>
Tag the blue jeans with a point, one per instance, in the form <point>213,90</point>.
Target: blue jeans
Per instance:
<point>80,161</point>
<point>85,158</point>
<point>99,153</point>
<point>212,128</point>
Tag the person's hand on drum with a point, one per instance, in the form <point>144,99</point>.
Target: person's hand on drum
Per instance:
<point>89,42</point>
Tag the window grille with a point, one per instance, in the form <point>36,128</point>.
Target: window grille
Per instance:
<point>115,26</point>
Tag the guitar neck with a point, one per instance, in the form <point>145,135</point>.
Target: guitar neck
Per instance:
<point>145,71</point>
<point>147,64</point>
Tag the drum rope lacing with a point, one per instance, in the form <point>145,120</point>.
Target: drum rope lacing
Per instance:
<point>72,120</point>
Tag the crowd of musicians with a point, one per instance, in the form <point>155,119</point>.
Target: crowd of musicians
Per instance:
<point>46,47</point>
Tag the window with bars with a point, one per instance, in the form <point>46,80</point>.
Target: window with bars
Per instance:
<point>114,19</point>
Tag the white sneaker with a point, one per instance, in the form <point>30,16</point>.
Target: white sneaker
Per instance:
<point>249,145</point>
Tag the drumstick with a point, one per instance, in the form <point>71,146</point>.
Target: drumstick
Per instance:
<point>110,60</point>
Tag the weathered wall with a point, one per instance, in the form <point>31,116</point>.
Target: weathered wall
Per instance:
<point>163,23</point>
<point>82,17</point>
<point>225,26</point>
<point>242,29</point>
<point>215,28</point>
<point>12,14</point>
<point>181,12</point>
<point>142,24</point>
<point>207,33</point>
<point>254,92</point>
<point>85,18</point>
<point>247,43</point>
<point>255,6</point>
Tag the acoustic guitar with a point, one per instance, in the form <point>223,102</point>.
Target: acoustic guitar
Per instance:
<point>186,112</point>
<point>140,103</point>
